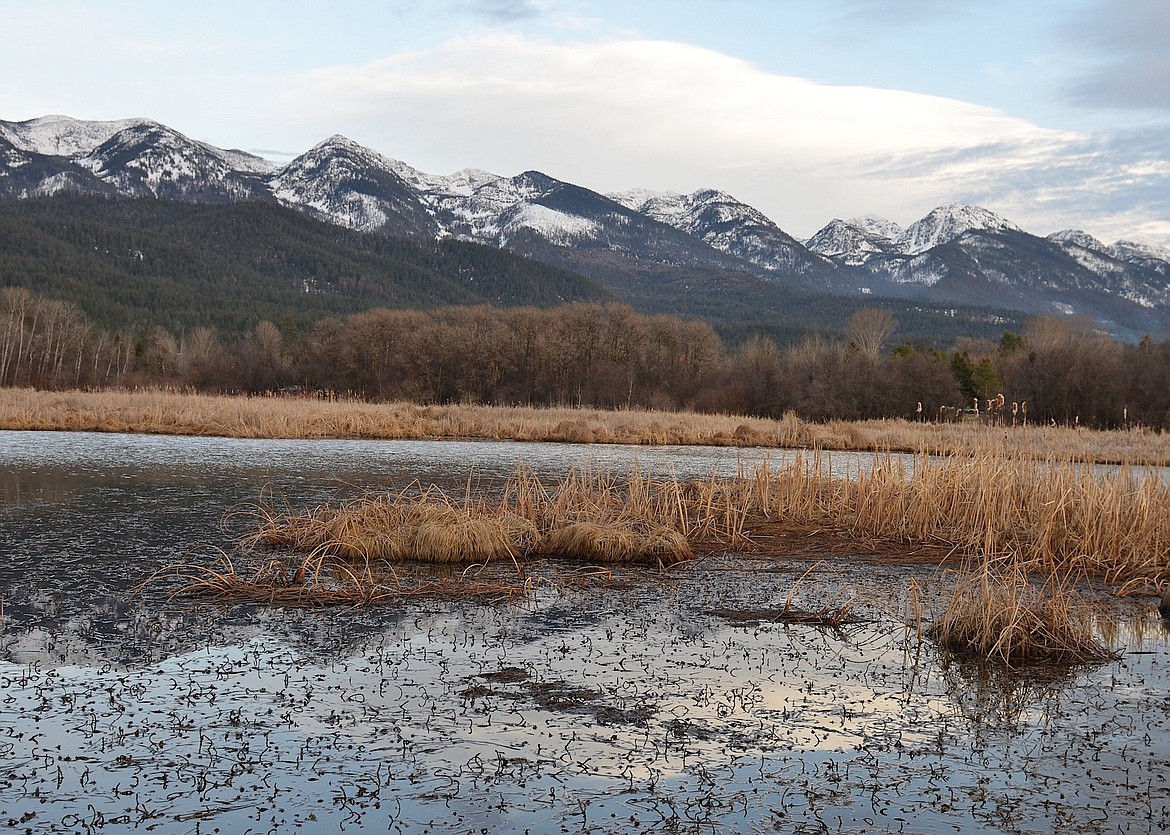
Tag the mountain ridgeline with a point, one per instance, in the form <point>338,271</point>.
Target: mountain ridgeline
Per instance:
<point>342,227</point>
<point>134,263</point>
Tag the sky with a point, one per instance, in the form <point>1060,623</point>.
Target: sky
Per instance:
<point>1052,113</point>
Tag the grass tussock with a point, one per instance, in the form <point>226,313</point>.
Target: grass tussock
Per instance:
<point>612,543</point>
<point>427,528</point>
<point>997,612</point>
<point>584,516</point>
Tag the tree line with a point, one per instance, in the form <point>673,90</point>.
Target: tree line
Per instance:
<point>603,355</point>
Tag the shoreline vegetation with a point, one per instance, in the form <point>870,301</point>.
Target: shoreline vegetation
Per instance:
<point>1013,538</point>
<point>1012,514</point>
<point>173,412</point>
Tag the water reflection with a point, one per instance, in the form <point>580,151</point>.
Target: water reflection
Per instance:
<point>631,706</point>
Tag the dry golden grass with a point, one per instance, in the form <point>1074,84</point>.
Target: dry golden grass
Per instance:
<point>1052,518</point>
<point>997,612</point>
<point>583,516</point>
<point>987,495</point>
<point>426,528</point>
<point>182,413</point>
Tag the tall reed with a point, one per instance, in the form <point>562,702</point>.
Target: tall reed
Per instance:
<point>997,612</point>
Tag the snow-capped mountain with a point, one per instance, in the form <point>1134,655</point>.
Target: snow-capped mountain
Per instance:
<point>854,242</point>
<point>135,157</point>
<point>62,136</point>
<point>966,254</point>
<point>956,253</point>
<point>730,226</point>
<point>946,223</point>
<point>342,182</point>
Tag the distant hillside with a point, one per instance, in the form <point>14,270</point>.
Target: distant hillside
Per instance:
<point>132,262</point>
<point>705,254</point>
<point>140,262</point>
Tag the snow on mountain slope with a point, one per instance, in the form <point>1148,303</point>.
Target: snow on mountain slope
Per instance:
<point>696,213</point>
<point>556,227</point>
<point>151,159</point>
<point>243,161</point>
<point>1077,237</point>
<point>946,223</point>
<point>1089,252</point>
<point>1137,251</point>
<point>63,136</point>
<point>853,242</point>
<point>728,225</point>
<point>877,228</point>
<point>345,183</point>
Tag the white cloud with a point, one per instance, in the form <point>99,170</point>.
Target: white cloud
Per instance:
<point>618,114</point>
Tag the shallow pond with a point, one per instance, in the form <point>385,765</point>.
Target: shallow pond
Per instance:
<point>643,704</point>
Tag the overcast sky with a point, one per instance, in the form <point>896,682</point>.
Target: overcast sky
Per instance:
<point>1052,113</point>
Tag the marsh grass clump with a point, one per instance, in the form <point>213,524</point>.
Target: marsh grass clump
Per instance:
<point>616,543</point>
<point>584,516</point>
<point>427,528</point>
<point>998,613</point>
<point>1050,518</point>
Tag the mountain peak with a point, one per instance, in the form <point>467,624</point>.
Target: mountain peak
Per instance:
<point>338,140</point>
<point>854,241</point>
<point>64,136</point>
<point>876,227</point>
<point>1079,238</point>
<point>1139,251</point>
<point>945,223</point>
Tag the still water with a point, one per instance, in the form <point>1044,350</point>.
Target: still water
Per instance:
<point>644,705</point>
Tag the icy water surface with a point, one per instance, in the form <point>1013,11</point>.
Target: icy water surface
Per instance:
<point>655,703</point>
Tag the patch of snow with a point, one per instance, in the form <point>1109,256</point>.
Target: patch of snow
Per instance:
<point>638,198</point>
<point>554,226</point>
<point>1137,250</point>
<point>1079,238</point>
<point>63,136</point>
<point>876,227</point>
<point>56,184</point>
<point>242,161</point>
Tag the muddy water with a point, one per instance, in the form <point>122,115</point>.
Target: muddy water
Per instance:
<point>643,705</point>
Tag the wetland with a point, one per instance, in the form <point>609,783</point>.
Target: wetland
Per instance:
<point>624,699</point>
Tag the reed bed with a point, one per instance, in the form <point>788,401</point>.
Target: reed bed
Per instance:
<point>1053,518</point>
<point>185,413</point>
<point>997,612</point>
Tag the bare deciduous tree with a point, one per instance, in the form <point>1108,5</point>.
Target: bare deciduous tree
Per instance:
<point>869,328</point>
